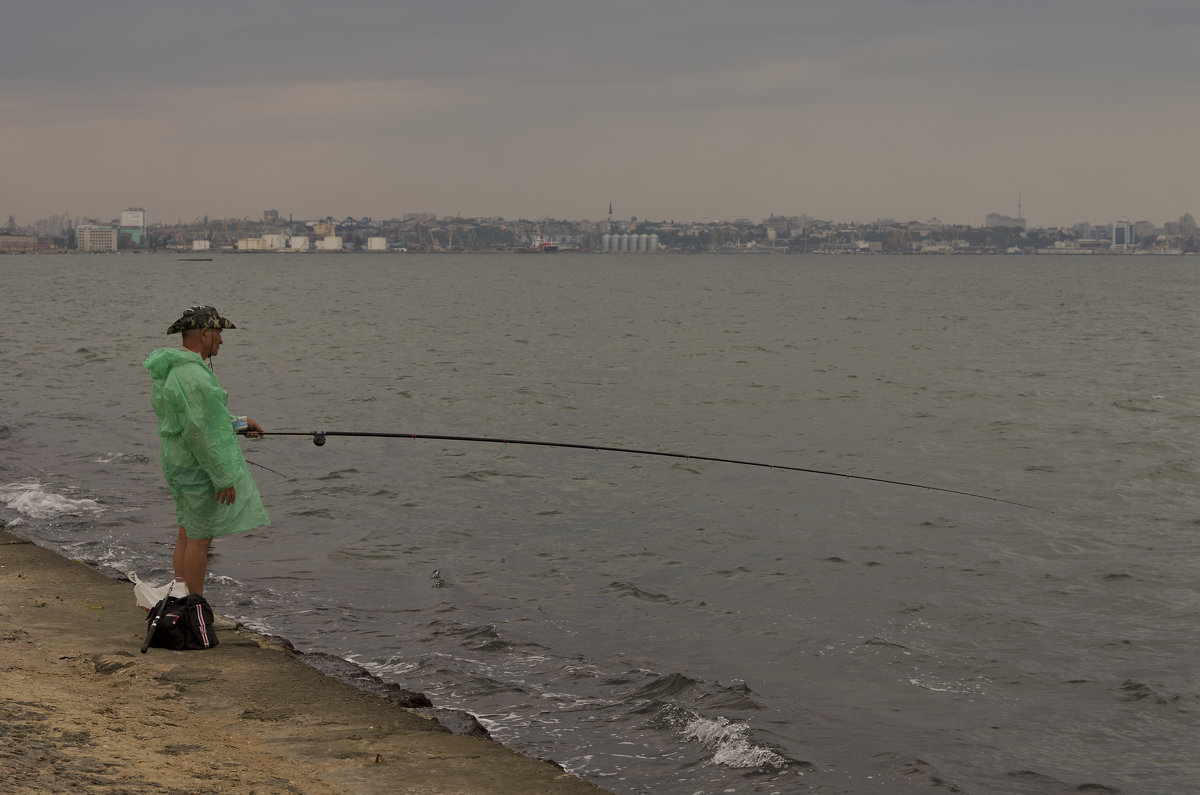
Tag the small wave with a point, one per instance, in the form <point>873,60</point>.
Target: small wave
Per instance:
<point>703,695</point>
<point>33,501</point>
<point>664,686</point>
<point>1132,690</point>
<point>629,589</point>
<point>935,685</point>
<point>338,474</point>
<point>1135,404</point>
<point>481,475</point>
<point>729,741</point>
<point>319,513</point>
<point>878,641</point>
<point>122,458</point>
<point>1044,783</point>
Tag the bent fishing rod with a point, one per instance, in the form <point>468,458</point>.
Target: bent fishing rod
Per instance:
<point>318,438</point>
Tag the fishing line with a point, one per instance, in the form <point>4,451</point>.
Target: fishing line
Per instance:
<point>318,438</point>
<point>260,466</point>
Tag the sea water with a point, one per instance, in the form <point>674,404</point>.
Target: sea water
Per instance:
<point>664,624</point>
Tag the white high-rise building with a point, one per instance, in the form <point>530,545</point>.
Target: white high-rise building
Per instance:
<point>133,218</point>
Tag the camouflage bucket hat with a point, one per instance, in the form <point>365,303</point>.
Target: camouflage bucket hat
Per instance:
<point>199,317</point>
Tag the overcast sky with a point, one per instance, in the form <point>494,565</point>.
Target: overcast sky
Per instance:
<point>847,110</point>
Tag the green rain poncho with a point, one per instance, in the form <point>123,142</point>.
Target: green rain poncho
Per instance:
<point>200,450</point>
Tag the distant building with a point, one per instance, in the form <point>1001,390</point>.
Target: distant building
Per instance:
<point>12,244</point>
<point>92,238</point>
<point>780,225</point>
<point>1187,225</point>
<point>993,220</point>
<point>133,218</point>
<point>1122,235</point>
<point>131,232</point>
<point>626,243</point>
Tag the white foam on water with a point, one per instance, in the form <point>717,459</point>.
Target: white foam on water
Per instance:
<point>121,458</point>
<point>730,743</point>
<point>33,501</point>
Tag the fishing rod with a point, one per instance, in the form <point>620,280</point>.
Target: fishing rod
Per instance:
<point>318,438</point>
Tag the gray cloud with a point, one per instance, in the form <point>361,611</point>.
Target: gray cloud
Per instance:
<point>857,109</point>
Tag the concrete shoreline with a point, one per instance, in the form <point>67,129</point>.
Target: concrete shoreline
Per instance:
<point>81,709</point>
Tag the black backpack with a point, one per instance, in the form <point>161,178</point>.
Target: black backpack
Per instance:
<point>181,623</point>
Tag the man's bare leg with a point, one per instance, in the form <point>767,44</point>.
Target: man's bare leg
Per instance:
<point>191,560</point>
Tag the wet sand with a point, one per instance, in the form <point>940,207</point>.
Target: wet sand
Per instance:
<point>82,710</point>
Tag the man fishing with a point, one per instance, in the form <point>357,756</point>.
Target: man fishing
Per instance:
<point>202,461</point>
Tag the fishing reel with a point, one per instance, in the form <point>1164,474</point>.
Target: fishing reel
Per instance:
<point>318,438</point>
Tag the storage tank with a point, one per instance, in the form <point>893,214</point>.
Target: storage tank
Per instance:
<point>298,243</point>
<point>652,246</point>
<point>624,247</point>
<point>605,242</point>
<point>377,244</point>
<point>201,245</point>
<point>274,242</point>
<point>331,243</point>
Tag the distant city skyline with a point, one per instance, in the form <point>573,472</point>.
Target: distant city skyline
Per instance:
<point>991,219</point>
<point>851,110</point>
<point>420,232</point>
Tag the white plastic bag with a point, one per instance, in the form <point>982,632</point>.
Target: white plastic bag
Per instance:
<point>149,595</point>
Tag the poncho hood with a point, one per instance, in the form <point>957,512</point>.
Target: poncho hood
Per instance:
<point>186,396</point>
<point>162,360</point>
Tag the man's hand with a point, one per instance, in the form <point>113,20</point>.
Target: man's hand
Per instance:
<point>253,429</point>
<point>226,496</point>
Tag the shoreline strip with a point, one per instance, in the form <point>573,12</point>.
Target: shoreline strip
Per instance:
<point>81,708</point>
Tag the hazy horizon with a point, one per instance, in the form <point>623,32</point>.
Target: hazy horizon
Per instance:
<point>848,111</point>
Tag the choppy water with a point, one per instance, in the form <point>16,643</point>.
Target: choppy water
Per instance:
<point>670,625</point>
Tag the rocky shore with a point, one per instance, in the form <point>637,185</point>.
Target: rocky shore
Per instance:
<point>82,710</point>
